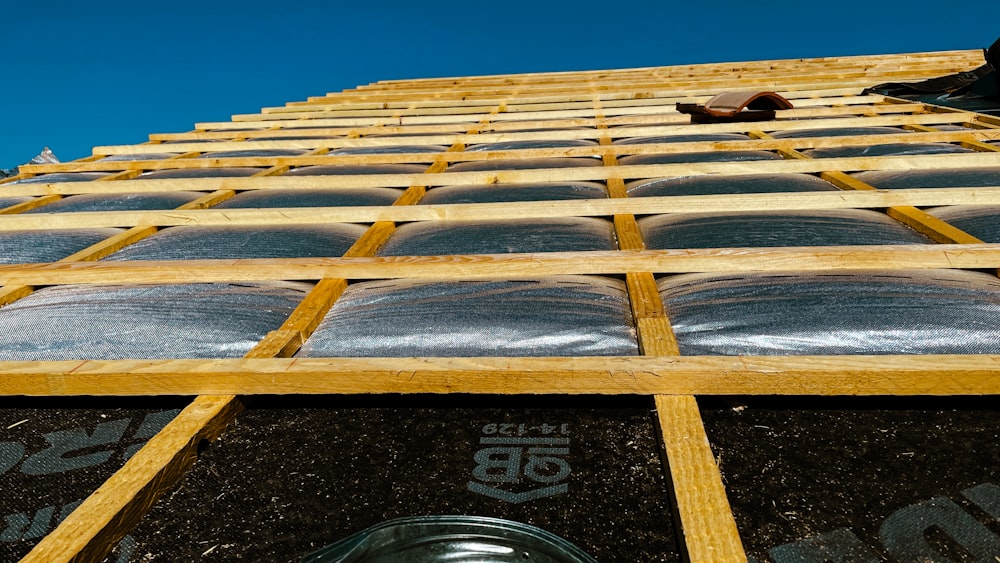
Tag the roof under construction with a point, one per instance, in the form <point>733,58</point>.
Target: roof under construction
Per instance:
<point>696,312</point>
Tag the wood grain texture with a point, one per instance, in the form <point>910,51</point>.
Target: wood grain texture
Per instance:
<point>929,375</point>
<point>527,210</point>
<point>661,123</point>
<point>706,521</point>
<point>511,266</point>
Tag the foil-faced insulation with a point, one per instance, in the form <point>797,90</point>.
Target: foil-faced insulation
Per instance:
<point>843,312</point>
<point>243,241</point>
<point>432,238</point>
<point>839,227</point>
<point>556,316</point>
<point>220,320</point>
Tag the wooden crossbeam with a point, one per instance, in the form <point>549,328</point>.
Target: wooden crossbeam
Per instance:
<point>676,118</point>
<point>925,375</point>
<point>512,266</point>
<point>920,197</point>
<point>922,162</point>
<point>970,136</point>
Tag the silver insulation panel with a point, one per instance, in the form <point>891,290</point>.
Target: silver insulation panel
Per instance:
<point>557,316</point>
<point>891,149</point>
<point>9,201</point>
<point>394,149</point>
<point>346,169</point>
<point>136,322</point>
<point>837,132</point>
<point>239,242</point>
<point>339,197</point>
<point>870,312</point>
<point>982,222</point>
<point>434,238</point>
<point>711,156</point>
<point>254,152</point>
<point>787,228</point>
<point>713,184</point>
<point>230,172</point>
<point>690,138</point>
<point>60,177</point>
<point>118,202</point>
<point>523,164</point>
<point>495,193</point>
<point>143,156</point>
<point>26,247</point>
<point>938,178</point>
<point>540,144</point>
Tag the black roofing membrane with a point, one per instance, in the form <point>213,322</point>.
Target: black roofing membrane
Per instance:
<point>861,479</point>
<point>294,475</point>
<point>56,452</point>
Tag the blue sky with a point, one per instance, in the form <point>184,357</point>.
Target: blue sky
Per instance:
<point>80,74</point>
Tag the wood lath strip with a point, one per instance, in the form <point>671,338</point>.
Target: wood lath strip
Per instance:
<point>531,111</point>
<point>919,197</point>
<point>945,58</point>
<point>917,375</point>
<point>706,521</point>
<point>807,166</point>
<point>508,266</point>
<point>971,136</point>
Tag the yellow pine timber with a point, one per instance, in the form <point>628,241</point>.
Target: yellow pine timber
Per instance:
<point>920,197</point>
<point>485,266</point>
<point>971,137</point>
<point>706,520</point>
<point>910,375</point>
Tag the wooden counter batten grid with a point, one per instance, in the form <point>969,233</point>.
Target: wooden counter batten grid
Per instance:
<point>598,106</point>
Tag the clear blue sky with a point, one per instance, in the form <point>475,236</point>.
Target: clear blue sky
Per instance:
<point>79,74</point>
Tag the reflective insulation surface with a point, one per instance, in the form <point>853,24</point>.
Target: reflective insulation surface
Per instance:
<point>712,156</point>
<point>713,184</point>
<point>143,156</point>
<point>254,152</point>
<point>346,169</point>
<point>495,193</point>
<point>786,228</point>
<point>938,178</point>
<point>118,202</point>
<point>982,222</point>
<point>9,201</point>
<point>522,164</point>
<point>540,144</point>
<point>874,312</point>
<point>151,321</point>
<point>837,132</point>
<point>557,316</point>
<point>394,149</point>
<point>689,138</point>
<point>230,172</point>
<point>25,247</point>
<point>339,197</point>
<point>243,241</point>
<point>891,149</point>
<point>432,238</point>
<point>61,177</point>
